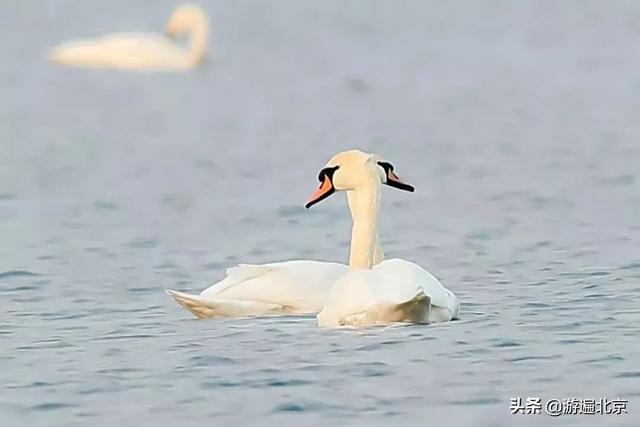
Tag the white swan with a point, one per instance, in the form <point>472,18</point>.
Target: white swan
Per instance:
<point>393,290</point>
<point>142,51</point>
<point>290,287</point>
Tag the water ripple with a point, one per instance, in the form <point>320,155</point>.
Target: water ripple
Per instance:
<point>16,273</point>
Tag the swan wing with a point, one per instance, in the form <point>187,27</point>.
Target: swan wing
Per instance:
<point>409,272</point>
<point>300,284</point>
<point>363,297</point>
<point>394,290</point>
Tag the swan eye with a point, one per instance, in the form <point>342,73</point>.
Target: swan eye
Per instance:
<point>328,172</point>
<point>388,167</point>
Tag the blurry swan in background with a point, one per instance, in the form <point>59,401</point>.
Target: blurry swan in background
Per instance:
<point>392,291</point>
<point>290,287</point>
<point>142,51</point>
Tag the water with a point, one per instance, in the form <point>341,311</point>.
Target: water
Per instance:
<point>516,121</point>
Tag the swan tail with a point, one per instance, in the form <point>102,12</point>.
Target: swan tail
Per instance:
<point>55,55</point>
<point>81,54</point>
<point>65,54</point>
<point>206,309</point>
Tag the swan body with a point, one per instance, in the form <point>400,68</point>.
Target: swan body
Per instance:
<point>393,290</point>
<point>141,51</point>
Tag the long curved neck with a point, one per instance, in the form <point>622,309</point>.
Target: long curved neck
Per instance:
<point>364,207</point>
<point>198,40</point>
<point>378,253</point>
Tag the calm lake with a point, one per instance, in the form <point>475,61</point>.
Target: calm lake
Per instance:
<point>517,122</point>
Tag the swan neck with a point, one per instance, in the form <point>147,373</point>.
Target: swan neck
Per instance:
<point>365,207</point>
<point>198,40</point>
<point>378,253</point>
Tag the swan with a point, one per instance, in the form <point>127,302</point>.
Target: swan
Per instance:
<point>142,51</point>
<point>289,287</point>
<point>393,290</point>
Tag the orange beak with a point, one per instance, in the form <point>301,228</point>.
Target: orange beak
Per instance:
<point>325,190</point>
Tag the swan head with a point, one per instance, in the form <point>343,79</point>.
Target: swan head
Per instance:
<point>352,169</point>
<point>183,19</point>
